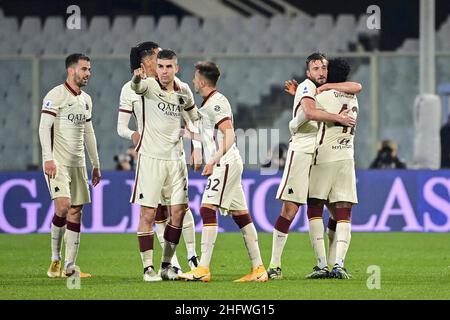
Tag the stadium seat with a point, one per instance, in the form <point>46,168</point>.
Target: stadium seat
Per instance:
<point>167,25</point>
<point>189,25</point>
<point>31,27</point>
<point>409,45</point>
<point>145,26</point>
<point>122,25</point>
<point>53,25</point>
<point>278,25</point>
<point>9,25</point>
<point>99,26</point>
<point>323,25</point>
<point>76,45</point>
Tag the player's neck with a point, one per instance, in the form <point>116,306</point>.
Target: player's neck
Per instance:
<point>205,92</point>
<point>170,86</point>
<point>73,85</point>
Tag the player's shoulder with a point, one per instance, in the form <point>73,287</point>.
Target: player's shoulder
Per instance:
<point>306,87</point>
<point>306,83</point>
<point>126,86</point>
<point>126,89</point>
<point>56,94</point>
<point>184,87</point>
<point>220,98</point>
<point>58,90</point>
<point>86,95</point>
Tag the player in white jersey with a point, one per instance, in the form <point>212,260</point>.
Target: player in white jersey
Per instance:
<point>65,129</point>
<point>131,104</point>
<point>293,189</point>
<point>224,171</point>
<point>332,176</point>
<point>160,171</point>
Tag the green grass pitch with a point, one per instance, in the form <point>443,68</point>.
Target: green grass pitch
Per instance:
<point>413,266</point>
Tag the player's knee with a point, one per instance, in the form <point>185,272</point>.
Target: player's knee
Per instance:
<point>62,207</point>
<point>315,208</point>
<point>208,216</point>
<point>172,233</point>
<point>242,219</point>
<point>177,214</point>
<point>289,210</point>
<point>147,216</point>
<point>343,214</point>
<point>162,214</point>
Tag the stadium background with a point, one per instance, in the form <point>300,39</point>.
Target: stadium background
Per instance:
<point>258,45</point>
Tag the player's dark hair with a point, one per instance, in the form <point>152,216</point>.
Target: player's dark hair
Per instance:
<point>209,70</point>
<point>167,54</point>
<point>314,57</point>
<point>141,51</point>
<point>74,58</point>
<point>338,70</point>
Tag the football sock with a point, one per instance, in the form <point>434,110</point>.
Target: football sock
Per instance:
<point>172,237</point>
<point>146,248</point>
<point>279,238</point>
<point>161,221</point>
<point>209,235</point>
<point>316,235</point>
<point>72,240</point>
<point>343,235</point>
<point>189,233</point>
<point>248,230</point>
<point>58,228</point>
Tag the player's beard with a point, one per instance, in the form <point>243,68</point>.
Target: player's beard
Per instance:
<point>80,81</point>
<point>316,82</point>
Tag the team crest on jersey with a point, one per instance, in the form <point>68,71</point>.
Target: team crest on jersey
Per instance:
<point>47,104</point>
<point>217,108</point>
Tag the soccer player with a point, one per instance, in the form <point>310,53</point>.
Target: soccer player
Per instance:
<point>160,171</point>
<point>332,176</point>
<point>65,129</point>
<point>293,189</point>
<point>145,53</point>
<point>224,171</point>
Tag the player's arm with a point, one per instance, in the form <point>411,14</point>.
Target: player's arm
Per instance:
<point>137,85</point>
<point>290,86</point>
<point>45,137</point>
<point>297,121</point>
<point>229,137</point>
<point>91,146</point>
<point>312,113</point>
<point>347,87</point>
<point>192,131</point>
<point>123,120</point>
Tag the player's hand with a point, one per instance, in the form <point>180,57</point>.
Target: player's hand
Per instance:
<point>322,88</point>
<point>208,169</point>
<point>96,176</point>
<point>346,119</point>
<point>196,159</point>
<point>290,86</point>
<point>139,73</point>
<point>50,168</point>
<point>135,138</point>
